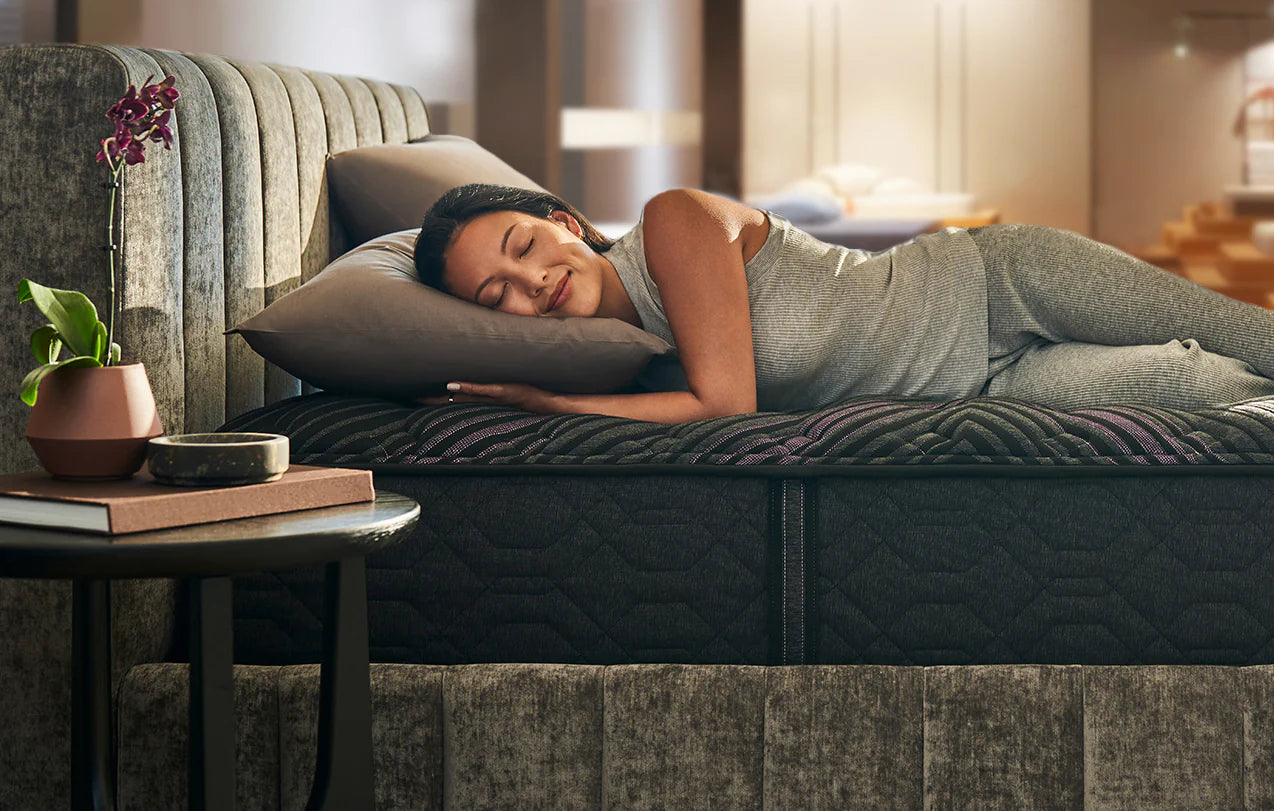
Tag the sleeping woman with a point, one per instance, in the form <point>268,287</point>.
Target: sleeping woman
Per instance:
<point>766,317</point>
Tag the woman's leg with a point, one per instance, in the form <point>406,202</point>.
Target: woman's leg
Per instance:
<point>1176,374</point>
<point>1050,286</point>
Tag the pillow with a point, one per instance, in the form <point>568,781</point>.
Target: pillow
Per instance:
<point>812,186</point>
<point>899,186</point>
<point>851,179</point>
<point>802,209</point>
<point>366,324</point>
<point>385,188</point>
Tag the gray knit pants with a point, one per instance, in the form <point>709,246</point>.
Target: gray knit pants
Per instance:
<point>1074,323</point>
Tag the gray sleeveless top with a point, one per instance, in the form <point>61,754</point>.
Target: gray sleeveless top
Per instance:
<point>829,323</point>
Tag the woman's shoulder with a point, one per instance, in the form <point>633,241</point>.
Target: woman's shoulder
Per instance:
<point>693,213</point>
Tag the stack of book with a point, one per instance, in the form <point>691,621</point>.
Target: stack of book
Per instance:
<point>140,504</point>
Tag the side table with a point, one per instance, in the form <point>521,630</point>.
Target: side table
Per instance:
<point>205,555</point>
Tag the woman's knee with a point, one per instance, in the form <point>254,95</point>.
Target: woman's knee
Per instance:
<point>1213,379</point>
<point>1178,374</point>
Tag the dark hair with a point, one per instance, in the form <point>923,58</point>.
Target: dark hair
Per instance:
<point>460,205</point>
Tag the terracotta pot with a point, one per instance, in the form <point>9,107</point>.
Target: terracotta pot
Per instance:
<point>93,423</point>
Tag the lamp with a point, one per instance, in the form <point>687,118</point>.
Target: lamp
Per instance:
<point>1184,25</point>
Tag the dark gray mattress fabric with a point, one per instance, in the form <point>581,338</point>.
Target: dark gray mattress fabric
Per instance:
<point>330,429</point>
<point>882,532</point>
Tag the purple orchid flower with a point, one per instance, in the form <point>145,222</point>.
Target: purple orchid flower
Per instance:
<point>140,116</point>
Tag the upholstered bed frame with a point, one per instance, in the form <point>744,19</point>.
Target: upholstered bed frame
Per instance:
<point>886,604</point>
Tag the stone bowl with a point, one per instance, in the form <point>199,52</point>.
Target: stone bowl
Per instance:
<point>212,460</point>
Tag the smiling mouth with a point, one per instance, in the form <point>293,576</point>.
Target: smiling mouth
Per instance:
<point>559,294</point>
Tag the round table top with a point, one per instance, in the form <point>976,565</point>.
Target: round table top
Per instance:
<point>279,541</point>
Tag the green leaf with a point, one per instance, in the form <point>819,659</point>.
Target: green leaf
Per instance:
<point>99,344</point>
<point>71,313</point>
<point>31,382</point>
<point>114,353</point>
<point>45,344</point>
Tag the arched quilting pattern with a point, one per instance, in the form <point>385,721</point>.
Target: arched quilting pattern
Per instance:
<point>280,201</point>
<point>148,286</point>
<point>311,159</point>
<point>393,121</point>
<point>203,313</point>
<point>243,227</point>
<point>366,116</point>
<point>414,111</point>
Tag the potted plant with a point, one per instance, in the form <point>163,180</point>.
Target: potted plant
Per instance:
<point>92,416</point>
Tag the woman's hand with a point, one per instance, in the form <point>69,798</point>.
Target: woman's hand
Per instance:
<point>515,395</point>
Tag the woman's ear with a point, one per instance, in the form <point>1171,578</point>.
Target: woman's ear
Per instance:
<point>565,218</point>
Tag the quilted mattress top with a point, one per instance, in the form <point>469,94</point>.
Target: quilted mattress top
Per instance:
<point>334,429</point>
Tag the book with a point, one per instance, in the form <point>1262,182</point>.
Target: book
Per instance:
<point>140,503</point>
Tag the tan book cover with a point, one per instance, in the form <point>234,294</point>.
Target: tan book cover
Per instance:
<point>140,503</point>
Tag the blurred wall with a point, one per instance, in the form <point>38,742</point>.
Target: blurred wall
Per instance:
<point>36,19</point>
<point>1163,124</point>
<point>990,97</point>
<point>635,55</point>
<point>427,44</point>
<point>1071,112</point>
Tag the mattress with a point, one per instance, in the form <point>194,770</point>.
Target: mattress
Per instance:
<point>877,531</point>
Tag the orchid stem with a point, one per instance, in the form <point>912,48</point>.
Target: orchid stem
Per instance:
<point>116,174</point>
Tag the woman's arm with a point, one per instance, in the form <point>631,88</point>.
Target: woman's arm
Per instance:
<point>659,406</point>
<point>696,245</point>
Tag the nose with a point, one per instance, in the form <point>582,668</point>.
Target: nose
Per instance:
<point>538,282</point>
<point>533,287</point>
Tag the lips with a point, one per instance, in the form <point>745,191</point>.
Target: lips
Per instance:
<point>560,292</point>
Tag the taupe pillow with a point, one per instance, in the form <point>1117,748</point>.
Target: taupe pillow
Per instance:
<point>366,324</point>
<point>388,187</point>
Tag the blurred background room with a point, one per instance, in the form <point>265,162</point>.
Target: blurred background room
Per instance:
<point>1147,124</point>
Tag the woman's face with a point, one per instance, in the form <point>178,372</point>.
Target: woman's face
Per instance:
<point>526,265</point>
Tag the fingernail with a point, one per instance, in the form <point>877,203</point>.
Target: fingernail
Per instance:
<point>453,387</point>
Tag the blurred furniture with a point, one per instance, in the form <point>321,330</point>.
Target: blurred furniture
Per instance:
<point>1212,244</point>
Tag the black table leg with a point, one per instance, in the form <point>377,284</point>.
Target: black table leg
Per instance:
<point>92,763</point>
<point>343,773</point>
<point>211,778</point>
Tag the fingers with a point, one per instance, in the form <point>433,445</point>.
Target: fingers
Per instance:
<point>461,393</point>
<point>475,390</point>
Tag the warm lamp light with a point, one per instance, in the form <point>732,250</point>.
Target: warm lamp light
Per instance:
<point>1183,24</point>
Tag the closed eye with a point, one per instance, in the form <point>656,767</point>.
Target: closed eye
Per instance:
<point>503,290</point>
<point>527,250</point>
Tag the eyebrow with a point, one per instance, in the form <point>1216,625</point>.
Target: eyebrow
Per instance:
<point>503,244</point>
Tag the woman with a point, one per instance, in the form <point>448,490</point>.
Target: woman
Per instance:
<point>766,317</point>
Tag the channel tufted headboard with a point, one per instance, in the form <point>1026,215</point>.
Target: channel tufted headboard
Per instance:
<point>235,216</point>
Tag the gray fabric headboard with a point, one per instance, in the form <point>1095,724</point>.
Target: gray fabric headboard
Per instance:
<point>233,217</point>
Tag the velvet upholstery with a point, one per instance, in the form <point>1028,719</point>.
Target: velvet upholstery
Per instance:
<point>154,733</point>
<point>724,736</point>
<point>234,216</point>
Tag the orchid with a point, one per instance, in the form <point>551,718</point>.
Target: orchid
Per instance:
<point>140,117</point>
